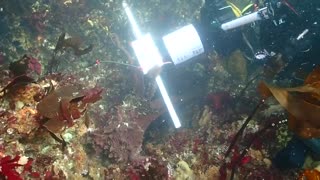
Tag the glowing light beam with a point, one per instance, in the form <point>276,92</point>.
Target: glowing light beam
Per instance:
<point>149,56</point>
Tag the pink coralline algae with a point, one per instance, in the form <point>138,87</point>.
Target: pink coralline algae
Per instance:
<point>219,100</point>
<point>37,21</point>
<point>92,95</point>
<point>179,141</point>
<point>25,65</point>
<point>122,138</point>
<point>149,168</point>
<point>34,65</point>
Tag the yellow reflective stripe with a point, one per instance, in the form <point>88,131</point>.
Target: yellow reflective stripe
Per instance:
<point>235,9</point>
<point>246,8</point>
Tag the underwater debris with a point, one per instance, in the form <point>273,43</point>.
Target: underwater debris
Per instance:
<point>304,108</point>
<point>74,43</point>
<point>25,65</point>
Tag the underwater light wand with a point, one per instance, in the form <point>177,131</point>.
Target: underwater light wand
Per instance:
<point>149,57</point>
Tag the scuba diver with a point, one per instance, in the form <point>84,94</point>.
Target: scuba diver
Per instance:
<point>216,12</point>
<point>292,29</point>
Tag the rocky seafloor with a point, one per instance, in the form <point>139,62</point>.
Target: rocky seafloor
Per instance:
<point>75,104</point>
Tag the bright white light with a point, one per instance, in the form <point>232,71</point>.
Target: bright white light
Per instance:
<point>183,44</point>
<point>134,25</point>
<point>167,101</point>
<point>147,53</point>
<point>149,56</point>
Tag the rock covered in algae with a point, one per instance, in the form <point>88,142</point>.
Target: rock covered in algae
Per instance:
<point>237,65</point>
<point>183,171</point>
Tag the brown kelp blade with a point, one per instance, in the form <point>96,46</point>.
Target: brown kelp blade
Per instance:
<point>263,90</point>
<point>308,88</point>
<point>310,92</point>
<point>311,88</point>
<point>314,76</point>
<point>306,115</point>
<point>313,79</point>
<point>49,106</point>
<point>299,108</point>
<point>54,126</point>
<point>311,84</point>
<point>302,127</point>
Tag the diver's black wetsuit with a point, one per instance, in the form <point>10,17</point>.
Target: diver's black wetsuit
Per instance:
<point>212,35</point>
<point>283,38</point>
<point>296,16</point>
